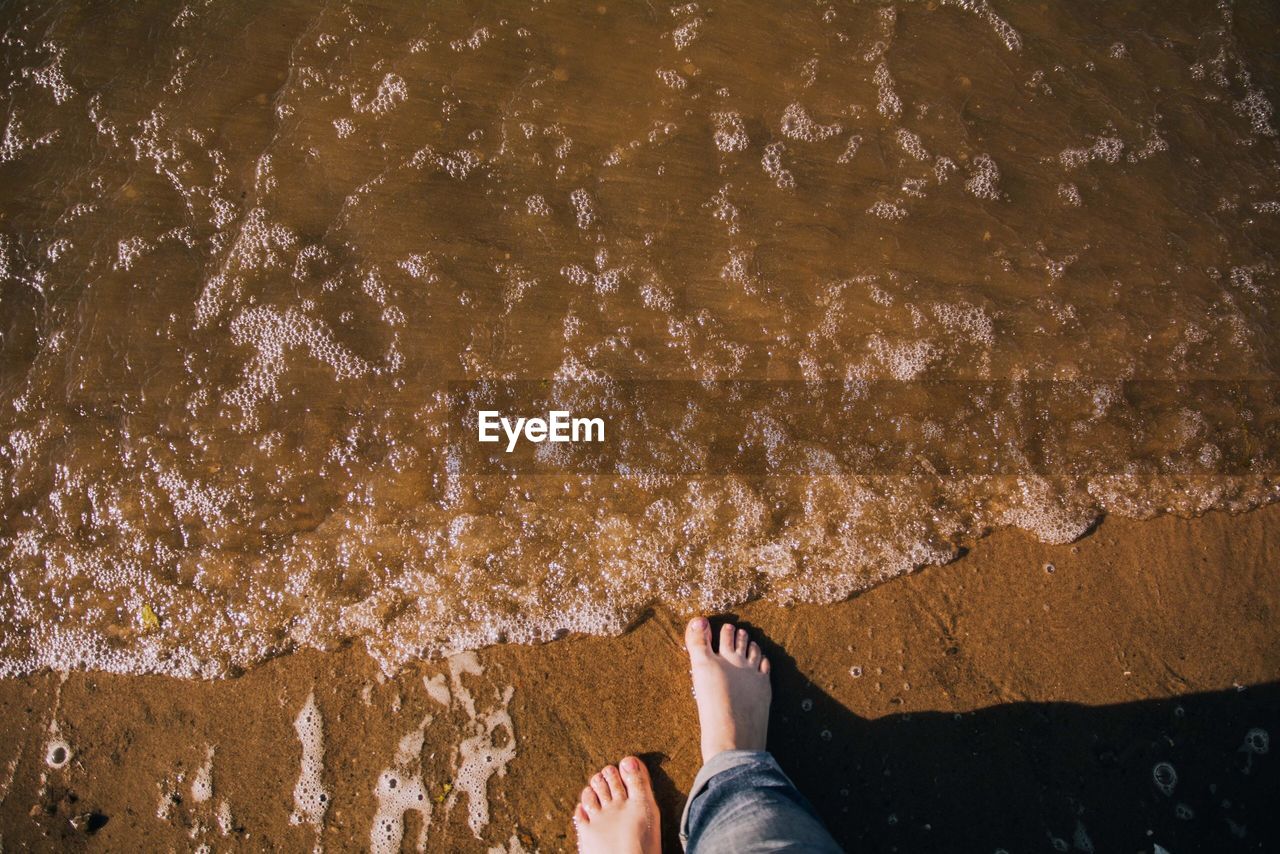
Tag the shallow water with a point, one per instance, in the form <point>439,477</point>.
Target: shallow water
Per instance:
<point>851,284</point>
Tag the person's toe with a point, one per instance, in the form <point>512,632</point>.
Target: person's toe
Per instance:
<point>589,800</point>
<point>636,776</point>
<point>697,638</point>
<point>764,665</point>
<point>741,646</point>
<point>580,815</point>
<point>601,788</point>
<point>616,788</point>
<point>727,635</point>
<point>753,654</point>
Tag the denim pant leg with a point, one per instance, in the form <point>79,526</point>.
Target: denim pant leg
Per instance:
<point>742,803</point>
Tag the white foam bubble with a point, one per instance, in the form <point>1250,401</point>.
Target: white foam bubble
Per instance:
<point>850,149</point>
<point>273,334</point>
<point>14,142</point>
<point>904,360</point>
<point>730,135</point>
<point>400,789</point>
<point>482,756</point>
<point>536,205</point>
<point>226,822</point>
<point>942,169</point>
<point>1107,149</point>
<point>421,266</point>
<point>1256,107</point>
<point>457,164</point>
<point>672,79</point>
<point>982,8</point>
<point>437,688</point>
<point>310,797</point>
<point>584,207</point>
<point>57,753</point>
<point>910,143</point>
<point>774,559</point>
<point>966,320</point>
<point>391,92</point>
<point>887,210</point>
<point>984,178</point>
<point>129,251</point>
<point>771,162</point>
<point>50,75</point>
<point>797,125</point>
<point>723,209</point>
<point>1042,510</point>
<point>889,104</point>
<point>202,782</point>
<point>260,245</point>
<point>475,41</point>
<point>687,33</point>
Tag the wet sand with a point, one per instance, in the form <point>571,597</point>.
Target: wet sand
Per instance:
<point>999,705</point>
<point>852,284</point>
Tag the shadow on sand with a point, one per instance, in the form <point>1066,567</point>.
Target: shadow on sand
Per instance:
<point>1028,776</point>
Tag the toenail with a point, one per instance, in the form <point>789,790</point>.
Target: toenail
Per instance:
<point>700,623</point>
<point>631,765</point>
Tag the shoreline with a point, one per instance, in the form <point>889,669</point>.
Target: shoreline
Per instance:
<point>1067,682</point>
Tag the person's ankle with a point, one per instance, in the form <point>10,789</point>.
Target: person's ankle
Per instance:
<point>712,747</point>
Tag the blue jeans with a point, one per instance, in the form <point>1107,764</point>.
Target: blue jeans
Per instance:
<point>741,803</point>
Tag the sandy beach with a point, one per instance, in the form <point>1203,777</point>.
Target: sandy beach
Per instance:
<point>999,705</point>
<point>384,385</point>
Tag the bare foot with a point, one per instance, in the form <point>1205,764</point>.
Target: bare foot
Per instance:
<point>731,685</point>
<point>617,814</point>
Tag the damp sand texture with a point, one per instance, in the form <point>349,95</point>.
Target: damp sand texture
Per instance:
<point>980,265</point>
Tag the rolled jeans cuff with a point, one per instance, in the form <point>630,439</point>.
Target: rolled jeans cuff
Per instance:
<point>722,761</point>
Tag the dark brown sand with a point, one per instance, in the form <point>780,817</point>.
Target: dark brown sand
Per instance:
<point>1000,705</point>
